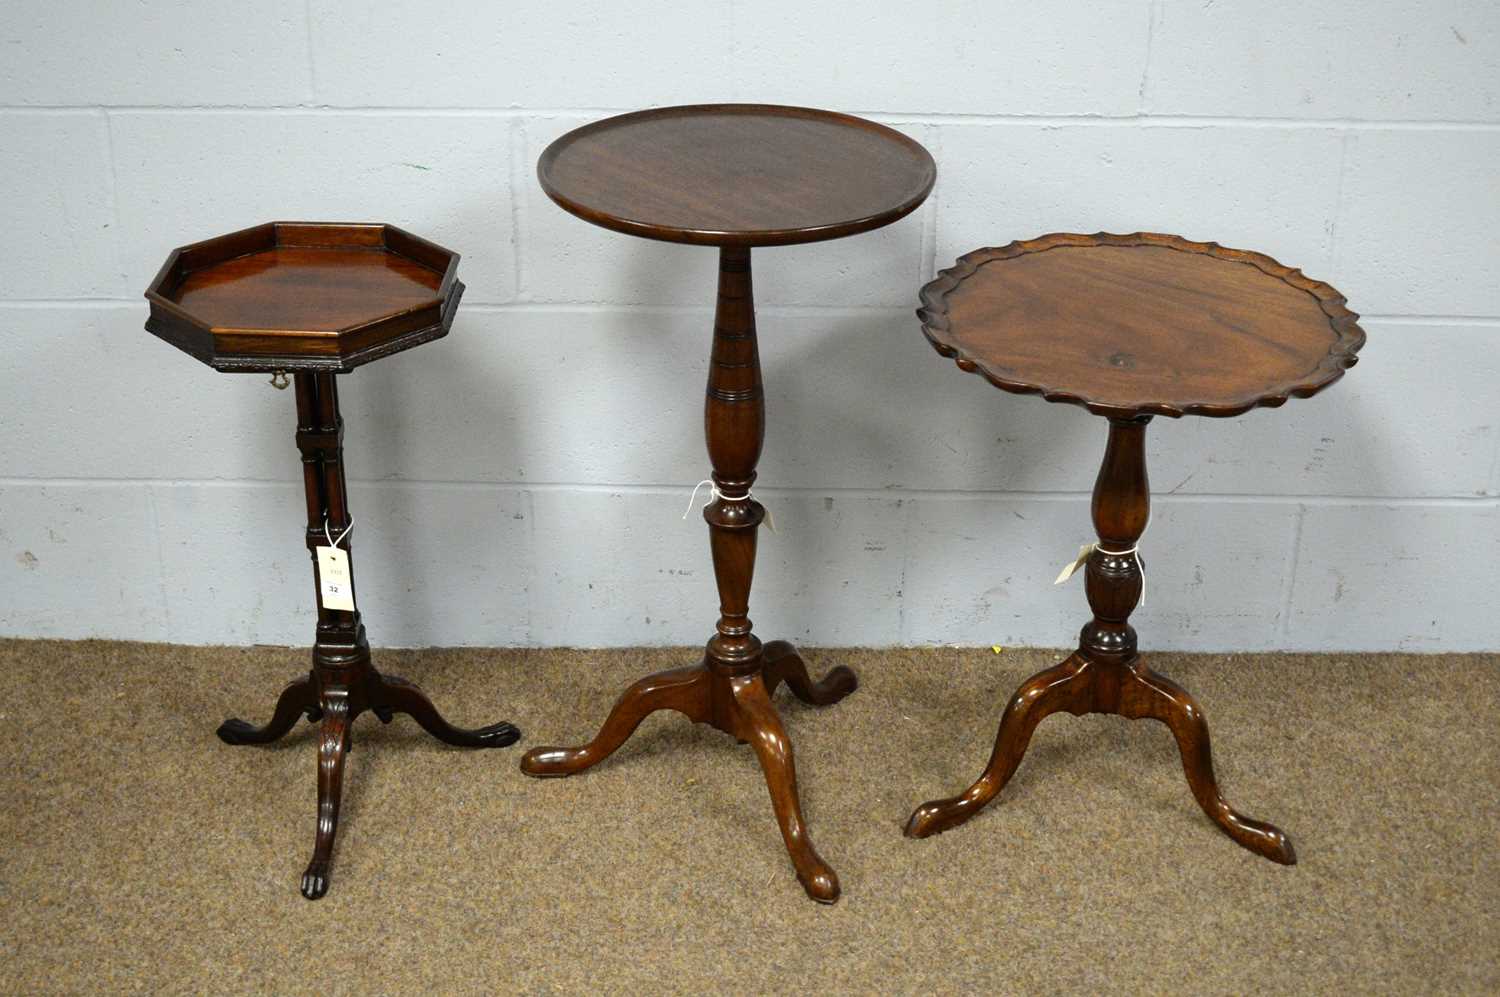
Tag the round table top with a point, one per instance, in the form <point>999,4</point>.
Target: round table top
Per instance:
<point>737,174</point>
<point>1142,324</point>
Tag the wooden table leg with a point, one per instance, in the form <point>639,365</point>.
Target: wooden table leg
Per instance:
<point>1106,674</point>
<point>299,698</point>
<point>343,684</point>
<point>731,689</point>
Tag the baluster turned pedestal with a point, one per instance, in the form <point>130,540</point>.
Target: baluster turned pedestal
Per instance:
<point>1129,327</point>
<point>733,176</point>
<point>732,687</point>
<point>1105,674</point>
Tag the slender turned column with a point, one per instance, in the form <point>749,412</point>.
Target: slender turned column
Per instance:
<point>1112,577</point>
<point>343,683</point>
<point>734,422</point>
<point>1106,675</point>
<point>732,688</point>
<point>340,656</point>
<point>320,437</point>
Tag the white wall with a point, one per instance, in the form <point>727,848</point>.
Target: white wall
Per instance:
<point>521,481</point>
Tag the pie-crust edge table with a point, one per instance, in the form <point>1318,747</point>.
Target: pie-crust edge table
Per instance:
<point>1106,674</point>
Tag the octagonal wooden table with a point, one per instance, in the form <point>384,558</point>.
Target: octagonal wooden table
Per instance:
<point>314,300</point>
<point>733,176</point>
<point>1129,327</point>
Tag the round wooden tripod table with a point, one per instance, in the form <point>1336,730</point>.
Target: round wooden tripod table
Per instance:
<point>315,300</point>
<point>733,176</point>
<point>1130,326</point>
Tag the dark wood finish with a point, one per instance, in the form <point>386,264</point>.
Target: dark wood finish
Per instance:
<point>733,176</point>
<point>343,684</point>
<point>731,689</point>
<point>1105,674</point>
<point>289,296</point>
<point>1121,316</point>
<point>1140,324</point>
<point>323,270</point>
<point>737,174</point>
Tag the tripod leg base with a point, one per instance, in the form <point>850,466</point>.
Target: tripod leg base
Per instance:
<point>756,721</point>
<point>1060,687</point>
<point>738,703</point>
<point>1153,696</point>
<point>1130,690</point>
<point>397,695</point>
<point>333,748</point>
<point>297,699</point>
<point>685,690</point>
<point>784,664</point>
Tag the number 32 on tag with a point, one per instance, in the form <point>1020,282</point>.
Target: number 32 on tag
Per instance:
<point>334,582</point>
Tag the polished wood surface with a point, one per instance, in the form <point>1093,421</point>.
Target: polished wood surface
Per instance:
<point>313,298</point>
<point>342,684</point>
<point>1141,324</point>
<point>737,174</point>
<point>733,176</point>
<point>1106,674</point>
<point>290,296</point>
<point>1129,326</point>
<point>731,688</point>
<point>303,287</point>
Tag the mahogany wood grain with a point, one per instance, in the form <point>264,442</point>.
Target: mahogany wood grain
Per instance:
<point>325,297</point>
<point>731,689</point>
<point>288,296</point>
<point>733,176</point>
<point>305,288</point>
<point>784,664</point>
<point>1128,326</point>
<point>1140,324</point>
<point>737,174</point>
<point>343,683</point>
<point>1105,674</point>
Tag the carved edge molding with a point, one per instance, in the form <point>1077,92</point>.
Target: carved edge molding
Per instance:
<point>1342,353</point>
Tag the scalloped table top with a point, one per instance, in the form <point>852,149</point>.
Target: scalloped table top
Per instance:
<point>737,174</point>
<point>1142,324</point>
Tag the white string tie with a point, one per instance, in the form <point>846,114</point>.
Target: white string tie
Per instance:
<point>1087,549</point>
<point>332,542</point>
<point>714,493</point>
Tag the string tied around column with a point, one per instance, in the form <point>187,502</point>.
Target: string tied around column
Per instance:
<point>332,542</point>
<point>714,493</point>
<point>1087,549</point>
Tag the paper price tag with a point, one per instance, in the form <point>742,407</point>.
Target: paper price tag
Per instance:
<point>1075,564</point>
<point>334,581</point>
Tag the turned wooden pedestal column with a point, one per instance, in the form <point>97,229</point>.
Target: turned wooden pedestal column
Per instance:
<point>1105,674</point>
<point>317,300</point>
<point>731,689</point>
<point>342,684</point>
<point>734,177</point>
<point>1130,327</point>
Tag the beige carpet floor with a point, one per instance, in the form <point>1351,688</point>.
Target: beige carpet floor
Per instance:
<point>142,855</point>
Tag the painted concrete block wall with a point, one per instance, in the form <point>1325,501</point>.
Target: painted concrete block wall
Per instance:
<point>523,480</point>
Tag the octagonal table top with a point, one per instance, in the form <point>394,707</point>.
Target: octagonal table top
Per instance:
<point>288,296</point>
